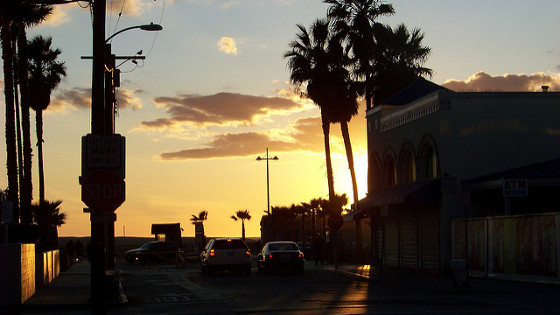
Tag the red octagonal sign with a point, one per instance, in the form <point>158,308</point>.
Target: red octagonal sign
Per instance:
<point>103,191</point>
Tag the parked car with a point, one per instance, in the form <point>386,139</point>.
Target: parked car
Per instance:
<point>154,251</point>
<point>222,254</point>
<point>280,255</point>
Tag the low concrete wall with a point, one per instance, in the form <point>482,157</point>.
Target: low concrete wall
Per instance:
<point>17,276</point>
<point>47,267</point>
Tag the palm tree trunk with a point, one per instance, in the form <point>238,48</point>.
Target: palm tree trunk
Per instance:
<point>27,189</point>
<point>349,157</point>
<point>243,229</point>
<point>39,130</point>
<point>10,130</point>
<point>18,123</point>
<point>326,135</point>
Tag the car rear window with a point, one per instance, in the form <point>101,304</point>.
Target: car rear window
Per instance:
<point>233,244</point>
<point>283,246</point>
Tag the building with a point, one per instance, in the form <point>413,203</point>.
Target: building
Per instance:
<point>435,155</point>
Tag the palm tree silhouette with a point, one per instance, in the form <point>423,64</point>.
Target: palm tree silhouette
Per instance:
<point>399,59</point>
<point>242,215</point>
<point>310,60</point>
<point>45,73</point>
<point>49,217</point>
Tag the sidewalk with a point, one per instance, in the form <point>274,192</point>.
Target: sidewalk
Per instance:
<point>70,290</point>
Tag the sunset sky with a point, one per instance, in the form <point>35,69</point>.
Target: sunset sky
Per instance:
<point>213,94</point>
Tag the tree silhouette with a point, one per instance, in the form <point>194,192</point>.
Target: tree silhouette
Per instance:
<point>242,215</point>
<point>48,216</point>
<point>202,216</point>
<point>311,61</point>
<point>399,59</point>
<point>45,73</point>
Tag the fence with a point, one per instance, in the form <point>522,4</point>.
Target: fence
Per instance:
<point>522,244</point>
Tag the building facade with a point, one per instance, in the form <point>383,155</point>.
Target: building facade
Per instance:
<point>436,155</point>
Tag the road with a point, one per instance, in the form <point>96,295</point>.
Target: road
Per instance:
<point>155,290</point>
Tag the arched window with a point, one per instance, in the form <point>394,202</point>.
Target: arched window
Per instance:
<point>374,174</point>
<point>430,165</point>
<point>408,167</point>
<point>390,171</point>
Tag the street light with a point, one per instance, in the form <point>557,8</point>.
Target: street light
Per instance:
<point>146,27</point>
<point>275,158</point>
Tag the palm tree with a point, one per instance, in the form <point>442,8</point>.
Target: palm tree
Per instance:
<point>310,62</point>
<point>6,8</point>
<point>200,238</point>
<point>398,60</point>
<point>356,21</point>
<point>44,76</point>
<point>202,216</point>
<point>25,16</point>
<point>49,217</point>
<point>14,16</point>
<point>242,215</point>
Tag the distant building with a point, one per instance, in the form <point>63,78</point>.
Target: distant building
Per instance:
<point>434,153</point>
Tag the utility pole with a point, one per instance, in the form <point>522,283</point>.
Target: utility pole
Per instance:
<point>98,221</point>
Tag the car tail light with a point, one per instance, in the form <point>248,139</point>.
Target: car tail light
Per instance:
<point>270,256</point>
<point>212,253</point>
<point>248,252</point>
<point>300,255</point>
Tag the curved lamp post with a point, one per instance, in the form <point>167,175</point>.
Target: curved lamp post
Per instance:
<point>146,27</point>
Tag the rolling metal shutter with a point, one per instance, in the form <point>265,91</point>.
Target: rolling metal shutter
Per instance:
<point>391,240</point>
<point>408,222</point>
<point>430,240</point>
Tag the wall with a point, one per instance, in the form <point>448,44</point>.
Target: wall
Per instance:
<point>17,276</point>
<point>524,244</point>
<point>47,267</point>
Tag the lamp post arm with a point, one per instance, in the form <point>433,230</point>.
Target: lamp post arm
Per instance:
<point>123,30</point>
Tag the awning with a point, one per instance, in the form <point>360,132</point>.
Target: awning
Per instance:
<point>416,192</point>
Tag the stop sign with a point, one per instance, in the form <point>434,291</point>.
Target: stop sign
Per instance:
<point>103,191</point>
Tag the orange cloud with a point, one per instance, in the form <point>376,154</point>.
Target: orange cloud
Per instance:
<point>483,81</point>
<point>219,109</point>
<point>306,136</point>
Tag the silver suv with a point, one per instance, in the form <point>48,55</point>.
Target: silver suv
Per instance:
<point>225,254</point>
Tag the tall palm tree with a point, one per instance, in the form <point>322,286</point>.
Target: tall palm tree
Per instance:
<point>242,215</point>
<point>399,59</point>
<point>10,129</point>
<point>356,20</point>
<point>6,24</point>
<point>14,16</point>
<point>45,73</point>
<point>309,61</point>
<point>26,15</point>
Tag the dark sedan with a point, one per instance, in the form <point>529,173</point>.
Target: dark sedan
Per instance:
<point>280,255</point>
<point>153,251</point>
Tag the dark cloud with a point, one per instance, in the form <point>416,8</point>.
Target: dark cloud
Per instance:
<point>74,98</point>
<point>510,82</point>
<point>306,135</point>
<point>80,98</point>
<point>221,108</point>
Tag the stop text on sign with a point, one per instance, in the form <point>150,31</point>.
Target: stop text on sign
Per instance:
<point>103,191</point>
